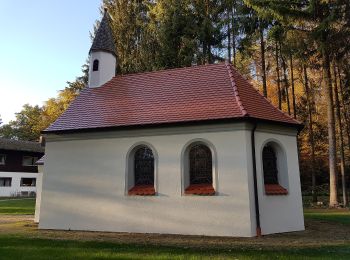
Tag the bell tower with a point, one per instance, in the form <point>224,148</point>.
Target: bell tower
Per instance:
<point>103,58</point>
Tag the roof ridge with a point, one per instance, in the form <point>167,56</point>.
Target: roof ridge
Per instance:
<point>262,96</point>
<point>235,90</point>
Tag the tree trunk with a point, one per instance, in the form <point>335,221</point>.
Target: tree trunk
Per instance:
<point>311,135</point>
<point>345,109</point>
<point>278,79</point>
<point>293,89</point>
<point>333,193</point>
<point>341,139</point>
<point>286,84</point>
<point>263,66</point>
<point>233,34</point>
<point>228,35</point>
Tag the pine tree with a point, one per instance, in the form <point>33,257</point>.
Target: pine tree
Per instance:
<point>319,18</point>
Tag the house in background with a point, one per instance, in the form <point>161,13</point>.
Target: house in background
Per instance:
<point>18,172</point>
<point>194,151</point>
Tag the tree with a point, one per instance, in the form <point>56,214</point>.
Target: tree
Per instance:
<point>27,125</point>
<point>208,16</point>
<point>341,138</point>
<point>318,18</point>
<point>253,27</point>
<point>174,25</point>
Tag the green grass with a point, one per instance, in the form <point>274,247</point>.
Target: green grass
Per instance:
<point>337,216</point>
<point>26,244</point>
<point>14,247</point>
<point>24,206</point>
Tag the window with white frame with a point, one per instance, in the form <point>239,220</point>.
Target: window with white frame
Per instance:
<point>28,182</point>
<point>29,160</point>
<point>2,159</point>
<point>5,181</point>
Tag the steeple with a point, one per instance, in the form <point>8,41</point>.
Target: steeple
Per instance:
<point>103,55</point>
<point>104,40</point>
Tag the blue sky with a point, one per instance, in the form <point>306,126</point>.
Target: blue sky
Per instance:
<point>43,44</point>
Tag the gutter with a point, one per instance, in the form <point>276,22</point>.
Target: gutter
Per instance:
<point>256,197</point>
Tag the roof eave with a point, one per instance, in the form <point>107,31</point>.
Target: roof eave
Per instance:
<point>297,126</point>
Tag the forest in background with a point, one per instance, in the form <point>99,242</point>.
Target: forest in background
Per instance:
<point>296,53</point>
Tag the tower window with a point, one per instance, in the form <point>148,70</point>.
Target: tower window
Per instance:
<point>95,65</point>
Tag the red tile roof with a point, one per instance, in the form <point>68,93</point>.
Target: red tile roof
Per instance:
<point>275,189</point>
<point>200,189</point>
<point>142,190</point>
<point>192,94</point>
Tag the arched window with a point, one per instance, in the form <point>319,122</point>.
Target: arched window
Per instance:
<point>200,165</point>
<point>95,65</point>
<point>144,166</point>
<point>200,170</point>
<point>272,157</point>
<point>143,171</point>
<point>270,165</point>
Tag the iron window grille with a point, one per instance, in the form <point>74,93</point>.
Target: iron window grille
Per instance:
<point>144,166</point>
<point>201,165</point>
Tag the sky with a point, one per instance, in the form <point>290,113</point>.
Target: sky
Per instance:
<point>43,44</point>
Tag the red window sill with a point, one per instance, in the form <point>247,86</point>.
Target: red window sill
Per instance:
<point>142,190</point>
<point>275,189</point>
<point>200,189</point>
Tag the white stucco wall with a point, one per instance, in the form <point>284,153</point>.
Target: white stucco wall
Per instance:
<point>16,183</point>
<point>106,71</point>
<point>39,181</point>
<point>84,184</point>
<point>281,213</point>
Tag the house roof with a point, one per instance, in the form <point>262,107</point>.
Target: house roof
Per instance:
<point>18,145</point>
<point>104,40</point>
<point>40,161</point>
<point>192,94</point>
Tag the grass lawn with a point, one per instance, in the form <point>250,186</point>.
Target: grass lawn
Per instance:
<point>332,215</point>
<point>16,206</point>
<point>25,248</point>
<point>327,236</point>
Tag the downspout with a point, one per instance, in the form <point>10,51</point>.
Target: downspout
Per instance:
<point>256,196</point>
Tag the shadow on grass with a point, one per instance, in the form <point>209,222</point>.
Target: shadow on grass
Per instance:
<point>16,247</point>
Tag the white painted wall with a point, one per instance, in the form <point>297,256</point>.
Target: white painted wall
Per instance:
<point>16,183</point>
<point>39,181</point>
<point>84,184</point>
<point>85,178</point>
<point>281,213</point>
<point>106,71</point>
